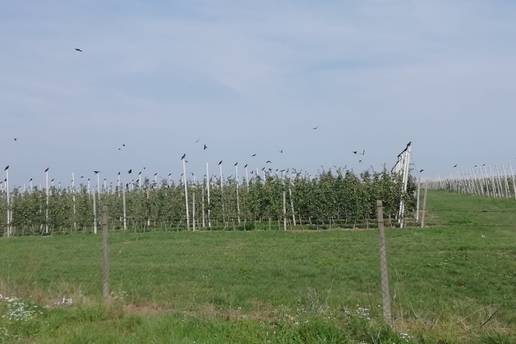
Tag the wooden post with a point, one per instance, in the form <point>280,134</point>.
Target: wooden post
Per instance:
<point>384,273</point>
<point>105,256</point>
<point>423,213</point>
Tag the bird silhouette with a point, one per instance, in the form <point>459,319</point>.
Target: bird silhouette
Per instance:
<point>78,50</point>
<point>15,139</point>
<point>315,128</point>
<point>281,151</point>
<point>6,168</point>
<point>205,147</point>
<point>268,162</point>
<point>197,140</point>
<point>183,156</point>
<point>46,169</point>
<point>254,154</point>
<point>96,172</point>
<point>235,164</point>
<point>421,171</point>
<point>130,171</point>
<point>245,165</point>
<point>220,162</point>
<point>455,165</point>
<point>355,152</point>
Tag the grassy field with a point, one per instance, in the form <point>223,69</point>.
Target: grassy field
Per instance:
<point>454,282</point>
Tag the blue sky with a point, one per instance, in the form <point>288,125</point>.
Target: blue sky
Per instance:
<point>255,77</point>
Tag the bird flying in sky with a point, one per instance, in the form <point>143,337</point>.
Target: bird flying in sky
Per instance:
<point>78,50</point>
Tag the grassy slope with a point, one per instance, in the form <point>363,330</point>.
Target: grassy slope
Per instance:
<point>275,287</point>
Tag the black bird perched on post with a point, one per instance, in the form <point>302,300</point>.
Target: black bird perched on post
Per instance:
<point>15,139</point>
<point>96,172</point>
<point>455,165</point>
<point>183,156</point>
<point>421,171</point>
<point>204,147</point>
<point>355,152</point>
<point>6,168</point>
<point>220,162</point>
<point>130,171</point>
<point>78,50</point>
<point>254,154</point>
<point>46,169</point>
<point>315,128</point>
<point>281,151</point>
<point>245,165</point>
<point>236,163</point>
<point>268,162</point>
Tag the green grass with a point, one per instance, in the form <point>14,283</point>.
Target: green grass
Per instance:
<point>274,287</point>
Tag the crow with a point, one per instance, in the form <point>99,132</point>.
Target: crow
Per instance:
<point>15,139</point>
<point>245,165</point>
<point>130,171</point>
<point>355,152</point>
<point>268,162</point>
<point>281,151</point>
<point>254,154</point>
<point>236,163</point>
<point>205,147</point>
<point>184,156</point>
<point>96,172</point>
<point>46,169</point>
<point>421,171</point>
<point>220,163</point>
<point>455,165</point>
<point>315,128</point>
<point>78,50</point>
<point>6,168</point>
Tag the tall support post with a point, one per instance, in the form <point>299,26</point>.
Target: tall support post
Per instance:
<point>105,256</point>
<point>193,208</point>
<point>284,210</point>
<point>417,198</point>
<point>8,196</point>
<point>222,194</point>
<point>208,182</point>
<point>506,182</point>
<point>47,200</point>
<point>237,194</point>
<point>291,202</point>
<point>246,178</point>
<point>94,212</point>
<point>74,207</point>
<point>124,207</point>
<point>424,206</point>
<point>202,206</point>
<point>513,181</point>
<point>384,272</point>
<point>186,195</point>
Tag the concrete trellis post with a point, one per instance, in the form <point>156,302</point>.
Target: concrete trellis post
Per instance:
<point>186,195</point>
<point>384,273</point>
<point>105,256</point>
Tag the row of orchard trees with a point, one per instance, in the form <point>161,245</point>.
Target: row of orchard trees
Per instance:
<point>333,198</point>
